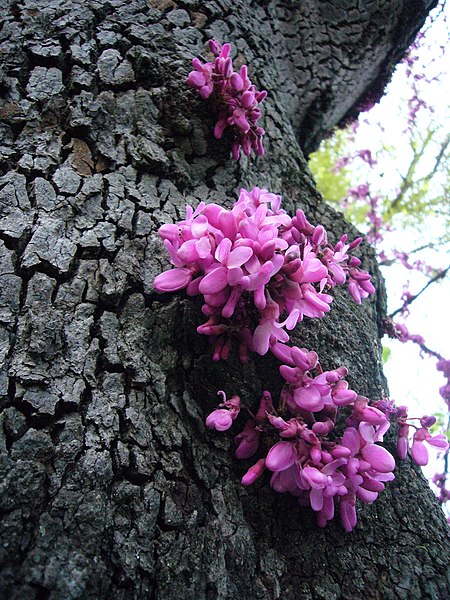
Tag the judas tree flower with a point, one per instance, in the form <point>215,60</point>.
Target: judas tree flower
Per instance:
<point>247,441</point>
<point>422,436</point>
<point>419,451</point>
<point>222,418</point>
<point>347,511</point>
<point>402,442</point>
<point>173,281</point>
<point>235,96</point>
<point>254,472</point>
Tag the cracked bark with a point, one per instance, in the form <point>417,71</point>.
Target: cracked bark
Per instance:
<point>111,486</point>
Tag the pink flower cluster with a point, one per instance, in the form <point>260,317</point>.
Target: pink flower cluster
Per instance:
<point>308,459</point>
<point>254,266</point>
<point>260,272</point>
<point>235,96</point>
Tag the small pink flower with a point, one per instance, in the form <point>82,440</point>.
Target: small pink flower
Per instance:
<point>254,472</point>
<point>247,441</point>
<point>220,419</point>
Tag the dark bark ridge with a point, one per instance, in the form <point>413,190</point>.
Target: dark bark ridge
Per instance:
<point>111,485</point>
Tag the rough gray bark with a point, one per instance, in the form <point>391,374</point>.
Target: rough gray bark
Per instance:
<point>111,487</point>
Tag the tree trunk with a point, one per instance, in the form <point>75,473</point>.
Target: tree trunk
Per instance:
<point>111,485</point>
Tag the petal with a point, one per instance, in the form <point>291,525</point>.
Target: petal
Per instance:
<point>188,251</point>
<point>419,453</point>
<point>328,508</point>
<point>373,485</point>
<point>402,447</point>
<point>223,251</point>
<point>203,247</point>
<point>173,280</point>
<point>380,459</point>
<point>219,128</point>
<point>308,398</point>
<point>367,432</point>
<point>239,256</point>
<point>242,123</point>
<point>281,456</point>
<point>228,225</point>
<point>196,79</point>
<point>351,440</point>
<point>366,496</point>
<point>439,441</point>
<point>214,281</point>
<point>261,337</point>
<point>236,277</point>
<point>347,512</point>
<point>315,478</point>
<point>316,499</point>
<point>236,82</point>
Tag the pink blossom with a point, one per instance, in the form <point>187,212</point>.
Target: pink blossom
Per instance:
<point>247,441</point>
<point>237,98</point>
<point>254,472</point>
<point>222,418</point>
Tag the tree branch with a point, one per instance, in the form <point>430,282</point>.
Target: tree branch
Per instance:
<point>411,299</point>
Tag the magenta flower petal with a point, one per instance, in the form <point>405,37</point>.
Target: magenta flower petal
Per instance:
<point>228,224</point>
<point>196,79</point>
<point>373,416</point>
<point>380,459</point>
<point>328,508</point>
<point>347,512</point>
<point>439,441</point>
<point>219,128</point>
<point>242,123</point>
<point>254,472</point>
<point>402,447</point>
<point>315,478</point>
<point>236,82</point>
<point>366,496</point>
<point>281,456</point>
<point>173,280</point>
<point>373,485</point>
<point>203,247</point>
<point>316,499</point>
<point>188,251</point>
<point>351,440</point>
<point>239,256</point>
<point>419,453</point>
<point>367,432</point>
<point>248,99</point>
<point>261,337</point>
<point>214,281</point>
<point>308,398</point>
<point>223,251</point>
